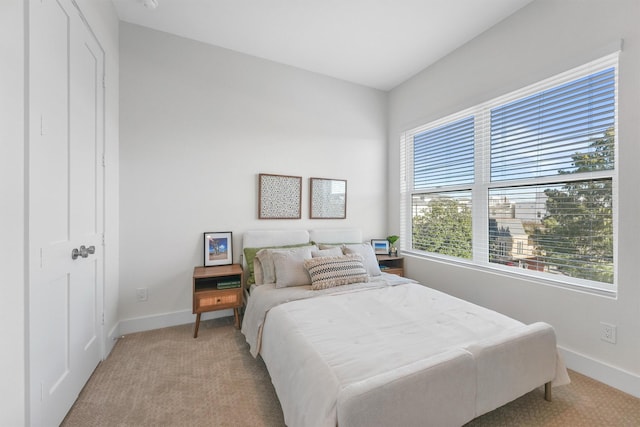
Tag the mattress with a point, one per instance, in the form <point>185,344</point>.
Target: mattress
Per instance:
<point>393,351</point>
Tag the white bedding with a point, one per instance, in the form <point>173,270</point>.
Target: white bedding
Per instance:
<point>325,351</point>
<point>389,351</point>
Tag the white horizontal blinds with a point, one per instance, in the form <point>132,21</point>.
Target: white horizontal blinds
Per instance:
<point>562,134</point>
<point>533,170</point>
<point>442,223</point>
<point>563,229</point>
<point>443,156</point>
<point>539,135</point>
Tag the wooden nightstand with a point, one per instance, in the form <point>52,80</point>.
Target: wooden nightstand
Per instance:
<point>214,288</point>
<point>391,264</point>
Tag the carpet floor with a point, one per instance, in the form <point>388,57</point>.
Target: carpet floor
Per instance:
<point>165,377</point>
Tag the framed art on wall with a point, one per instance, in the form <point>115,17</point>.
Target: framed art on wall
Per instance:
<point>279,196</point>
<point>328,198</point>
<point>218,249</point>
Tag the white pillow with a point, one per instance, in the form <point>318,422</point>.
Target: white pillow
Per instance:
<point>257,271</point>
<point>265,260</point>
<point>368,255</point>
<point>289,267</point>
<point>334,251</point>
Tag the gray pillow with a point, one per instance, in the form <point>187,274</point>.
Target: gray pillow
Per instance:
<point>335,251</point>
<point>289,267</point>
<point>265,258</point>
<point>369,257</point>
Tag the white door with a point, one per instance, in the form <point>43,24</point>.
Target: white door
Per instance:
<point>66,144</point>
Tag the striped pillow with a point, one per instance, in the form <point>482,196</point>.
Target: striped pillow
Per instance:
<point>327,272</point>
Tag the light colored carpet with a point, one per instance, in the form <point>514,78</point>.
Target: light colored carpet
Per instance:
<point>166,377</point>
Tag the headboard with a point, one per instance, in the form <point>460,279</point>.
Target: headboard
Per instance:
<point>268,238</point>
<point>336,235</point>
<point>263,238</point>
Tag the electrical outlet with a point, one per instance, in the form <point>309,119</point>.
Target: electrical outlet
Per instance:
<point>608,332</point>
<point>141,294</point>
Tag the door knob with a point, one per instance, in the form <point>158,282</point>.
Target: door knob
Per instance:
<point>83,252</point>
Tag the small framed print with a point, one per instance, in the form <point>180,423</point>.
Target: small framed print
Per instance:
<point>380,246</point>
<point>218,249</point>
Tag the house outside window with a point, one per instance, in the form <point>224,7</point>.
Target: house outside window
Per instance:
<point>526,183</point>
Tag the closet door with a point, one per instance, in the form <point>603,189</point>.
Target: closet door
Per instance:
<point>66,144</point>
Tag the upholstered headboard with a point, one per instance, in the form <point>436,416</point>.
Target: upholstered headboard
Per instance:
<point>336,235</point>
<point>272,238</point>
<point>264,238</point>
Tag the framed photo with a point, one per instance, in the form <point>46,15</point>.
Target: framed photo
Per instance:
<point>328,198</point>
<point>218,249</point>
<point>279,196</point>
<point>380,246</point>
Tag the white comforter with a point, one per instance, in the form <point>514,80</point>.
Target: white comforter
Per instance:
<point>322,348</point>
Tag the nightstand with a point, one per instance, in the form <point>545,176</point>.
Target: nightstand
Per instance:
<point>217,288</point>
<point>391,264</point>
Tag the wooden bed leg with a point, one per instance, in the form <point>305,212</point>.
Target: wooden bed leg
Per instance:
<point>547,391</point>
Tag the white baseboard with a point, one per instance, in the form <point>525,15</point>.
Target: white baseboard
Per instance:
<point>147,323</point>
<point>625,381</point>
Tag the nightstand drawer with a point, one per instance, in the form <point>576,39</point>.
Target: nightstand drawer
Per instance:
<point>217,299</point>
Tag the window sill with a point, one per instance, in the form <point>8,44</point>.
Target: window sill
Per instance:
<point>589,288</point>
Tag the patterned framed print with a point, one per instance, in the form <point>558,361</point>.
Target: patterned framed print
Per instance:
<point>279,196</point>
<point>328,199</point>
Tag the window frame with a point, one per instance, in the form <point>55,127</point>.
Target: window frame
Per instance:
<point>482,184</point>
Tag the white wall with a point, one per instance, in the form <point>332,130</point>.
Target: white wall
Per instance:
<point>12,211</point>
<point>543,39</point>
<point>198,124</point>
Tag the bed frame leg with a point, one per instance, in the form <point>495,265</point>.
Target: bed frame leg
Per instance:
<point>547,391</point>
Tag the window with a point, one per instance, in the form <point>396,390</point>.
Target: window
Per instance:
<point>525,183</point>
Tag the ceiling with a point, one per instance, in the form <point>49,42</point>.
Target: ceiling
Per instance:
<point>376,43</point>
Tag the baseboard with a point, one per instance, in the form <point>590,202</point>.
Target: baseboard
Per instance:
<point>147,323</point>
<point>625,381</point>
<point>112,338</point>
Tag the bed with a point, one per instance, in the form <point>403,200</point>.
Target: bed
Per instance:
<point>364,348</point>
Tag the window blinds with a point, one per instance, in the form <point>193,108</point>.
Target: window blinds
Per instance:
<point>539,135</point>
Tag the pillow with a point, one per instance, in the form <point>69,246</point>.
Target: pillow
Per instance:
<point>266,270</point>
<point>328,272</point>
<point>333,245</point>
<point>264,258</point>
<point>289,267</point>
<point>250,254</point>
<point>369,257</point>
<point>334,251</point>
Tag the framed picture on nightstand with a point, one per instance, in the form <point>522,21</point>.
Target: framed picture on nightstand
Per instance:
<point>218,249</point>
<point>380,246</point>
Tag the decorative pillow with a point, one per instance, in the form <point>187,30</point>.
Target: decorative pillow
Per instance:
<point>334,251</point>
<point>328,272</point>
<point>289,267</point>
<point>264,258</point>
<point>250,254</point>
<point>267,271</point>
<point>368,255</point>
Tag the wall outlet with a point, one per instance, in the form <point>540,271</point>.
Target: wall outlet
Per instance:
<point>141,294</point>
<point>608,332</point>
